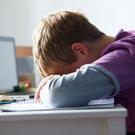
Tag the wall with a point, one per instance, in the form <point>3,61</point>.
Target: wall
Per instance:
<point>18,18</point>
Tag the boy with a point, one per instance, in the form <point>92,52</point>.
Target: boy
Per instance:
<point>81,63</point>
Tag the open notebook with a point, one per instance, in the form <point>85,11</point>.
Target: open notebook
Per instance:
<point>31,105</point>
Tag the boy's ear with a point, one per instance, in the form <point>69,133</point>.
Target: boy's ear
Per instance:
<point>80,49</point>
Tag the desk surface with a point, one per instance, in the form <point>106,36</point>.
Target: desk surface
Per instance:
<point>65,122</point>
<point>60,114</point>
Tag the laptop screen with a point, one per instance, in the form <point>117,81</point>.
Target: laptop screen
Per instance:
<point>8,69</point>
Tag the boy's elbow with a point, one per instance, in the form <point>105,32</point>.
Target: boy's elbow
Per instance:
<point>53,98</point>
<point>58,99</point>
<point>58,95</point>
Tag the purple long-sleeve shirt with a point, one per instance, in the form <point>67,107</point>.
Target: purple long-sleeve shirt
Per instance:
<point>111,75</point>
<point>119,59</point>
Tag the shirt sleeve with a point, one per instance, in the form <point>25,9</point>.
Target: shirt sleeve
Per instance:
<point>120,61</point>
<point>78,88</point>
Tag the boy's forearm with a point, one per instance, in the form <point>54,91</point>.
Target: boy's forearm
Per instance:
<point>76,89</point>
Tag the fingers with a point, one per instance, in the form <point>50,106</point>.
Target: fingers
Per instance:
<point>40,86</point>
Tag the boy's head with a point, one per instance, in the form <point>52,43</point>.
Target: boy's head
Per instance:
<point>58,40</point>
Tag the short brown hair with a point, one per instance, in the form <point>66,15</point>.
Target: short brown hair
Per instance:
<point>56,34</point>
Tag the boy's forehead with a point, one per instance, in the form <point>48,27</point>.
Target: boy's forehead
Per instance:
<point>61,69</point>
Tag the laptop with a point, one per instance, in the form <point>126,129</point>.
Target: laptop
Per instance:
<point>8,68</point>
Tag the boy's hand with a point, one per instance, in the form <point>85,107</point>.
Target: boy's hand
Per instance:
<point>41,84</point>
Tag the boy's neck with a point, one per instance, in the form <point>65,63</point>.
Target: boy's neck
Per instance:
<point>107,40</point>
<point>100,45</point>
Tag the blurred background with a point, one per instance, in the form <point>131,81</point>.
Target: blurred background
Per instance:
<point>19,18</point>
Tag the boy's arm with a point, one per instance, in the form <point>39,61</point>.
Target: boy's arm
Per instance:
<point>78,88</point>
<point>113,72</point>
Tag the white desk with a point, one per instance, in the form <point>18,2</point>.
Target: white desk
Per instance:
<point>64,122</point>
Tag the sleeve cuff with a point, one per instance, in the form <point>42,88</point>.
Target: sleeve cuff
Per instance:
<point>109,75</point>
